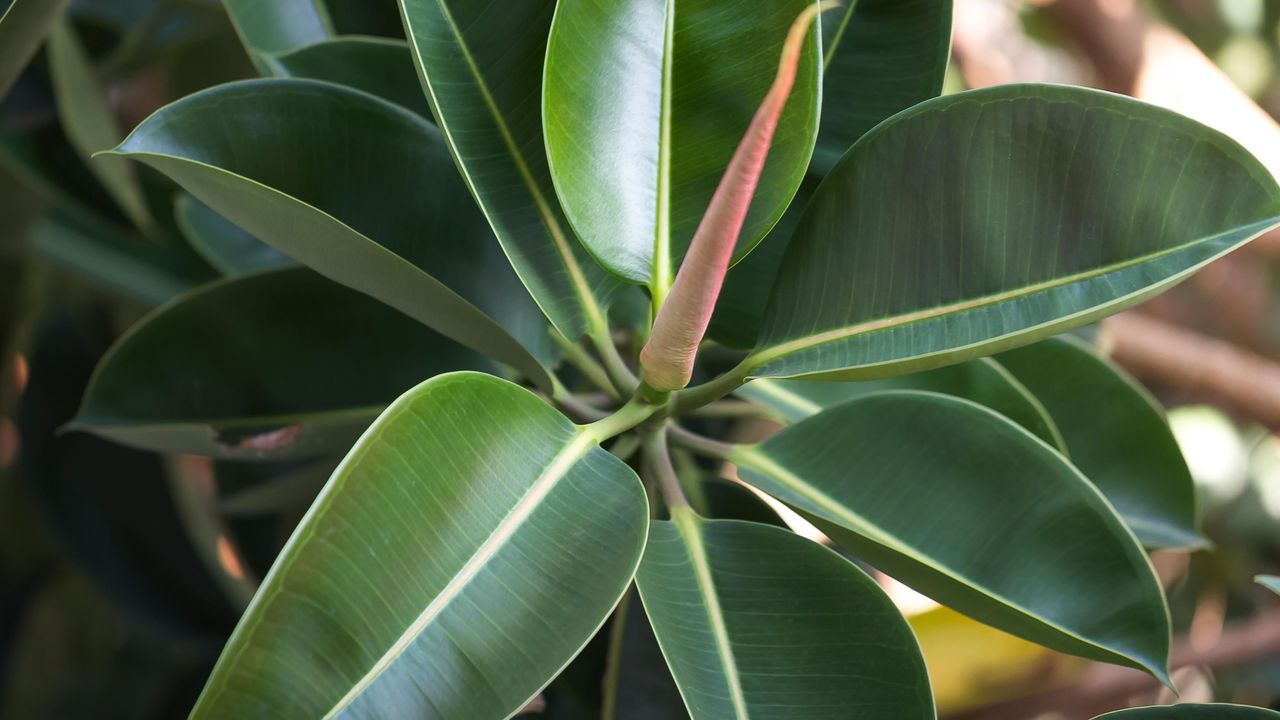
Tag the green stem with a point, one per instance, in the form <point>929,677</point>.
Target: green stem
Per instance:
<point>699,443</point>
<point>613,661</point>
<point>624,381</point>
<point>585,364</point>
<point>628,416</point>
<point>625,447</point>
<point>658,462</point>
<point>734,409</point>
<point>707,393</point>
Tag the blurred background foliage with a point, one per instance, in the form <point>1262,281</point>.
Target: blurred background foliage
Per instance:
<point>122,572</point>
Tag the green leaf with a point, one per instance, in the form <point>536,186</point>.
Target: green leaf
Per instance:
<point>983,381</point>
<point>881,57</point>
<point>88,121</point>
<point>378,66</point>
<point>641,686</point>
<point>247,368</point>
<point>1270,582</point>
<point>465,550</point>
<point>23,27</point>
<point>970,509</point>
<point>270,28</point>
<point>1192,711</point>
<point>1117,435</point>
<point>481,65</point>
<point>988,219</point>
<point>756,621</point>
<point>645,102</point>
<point>226,247</point>
<point>357,188</point>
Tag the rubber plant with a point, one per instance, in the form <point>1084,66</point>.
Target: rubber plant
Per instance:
<point>528,313</point>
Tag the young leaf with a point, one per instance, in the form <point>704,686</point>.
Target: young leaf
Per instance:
<point>758,622</point>
<point>88,122</point>
<point>248,369</point>
<point>983,381</point>
<point>23,26</point>
<point>360,190</point>
<point>985,220</point>
<point>378,66</point>
<point>880,57</point>
<point>224,245</point>
<point>481,65</point>
<point>668,356</point>
<point>645,102</point>
<point>971,510</point>
<point>268,28</point>
<point>1193,711</point>
<point>1116,434</point>
<point>464,551</point>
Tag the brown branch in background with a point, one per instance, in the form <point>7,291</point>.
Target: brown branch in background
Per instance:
<point>1107,687</point>
<point>1202,366</point>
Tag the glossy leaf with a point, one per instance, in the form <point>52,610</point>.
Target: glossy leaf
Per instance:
<point>881,57</point>
<point>983,381</point>
<point>1270,582</point>
<point>463,552</point>
<point>358,189</point>
<point>985,220</point>
<point>278,26</point>
<point>378,66</point>
<point>756,621</point>
<point>1192,711</point>
<point>248,368</point>
<point>23,26</point>
<point>970,509</point>
<point>1117,435</point>
<point>225,246</point>
<point>89,124</point>
<point>645,102</point>
<point>481,65</point>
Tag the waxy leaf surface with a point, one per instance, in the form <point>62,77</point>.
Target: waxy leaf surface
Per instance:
<point>274,365</point>
<point>465,550</point>
<point>985,220</point>
<point>378,66</point>
<point>645,102</point>
<point>1116,435</point>
<point>758,622</point>
<point>278,26</point>
<point>970,509</point>
<point>224,245</point>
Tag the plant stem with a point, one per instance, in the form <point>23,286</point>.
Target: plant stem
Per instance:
<point>658,462</point>
<point>625,447</point>
<point>734,409</point>
<point>709,392</point>
<point>699,443</point>
<point>613,661</point>
<point>578,357</point>
<point>624,381</point>
<point>628,416</point>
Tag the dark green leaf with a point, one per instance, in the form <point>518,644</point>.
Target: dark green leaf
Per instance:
<point>983,381</point>
<point>1192,711</point>
<point>269,28</point>
<point>985,220</point>
<point>1116,434</point>
<point>269,366</point>
<point>378,66</point>
<point>481,64</point>
<point>459,557</point>
<point>968,508</point>
<point>220,242</point>
<point>357,188</point>
<point>758,622</point>
<point>89,124</point>
<point>645,102</point>
<point>22,28</point>
<point>881,57</point>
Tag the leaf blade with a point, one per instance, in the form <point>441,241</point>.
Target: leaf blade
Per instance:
<point>23,26</point>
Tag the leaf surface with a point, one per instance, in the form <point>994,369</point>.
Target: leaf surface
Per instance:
<point>278,26</point>
<point>223,244</point>
<point>988,219</point>
<point>378,66</point>
<point>758,622</point>
<point>1117,435</point>
<point>645,102</point>
<point>481,65</point>
<point>1193,711</point>
<point>23,26</point>
<point>970,509</point>
<point>464,551</point>
<point>983,381</point>
<point>358,189</point>
<point>248,368</point>
<point>880,57</point>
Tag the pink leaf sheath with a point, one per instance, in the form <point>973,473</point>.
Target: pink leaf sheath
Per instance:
<point>667,359</point>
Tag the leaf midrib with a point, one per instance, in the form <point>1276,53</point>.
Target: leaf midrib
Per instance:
<point>660,282</point>
<point>559,466</point>
<point>595,316</point>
